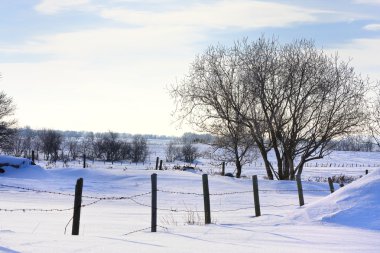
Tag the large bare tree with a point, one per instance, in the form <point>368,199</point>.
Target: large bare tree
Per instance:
<point>204,99</point>
<point>307,98</point>
<point>294,98</point>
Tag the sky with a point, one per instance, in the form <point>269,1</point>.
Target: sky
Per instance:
<point>92,65</point>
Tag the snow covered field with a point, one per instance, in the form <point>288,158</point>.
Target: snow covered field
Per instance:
<point>34,221</point>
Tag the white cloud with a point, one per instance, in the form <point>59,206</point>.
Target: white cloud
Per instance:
<point>372,27</point>
<point>110,44</point>
<point>55,6</point>
<point>213,14</point>
<point>240,14</point>
<point>221,14</point>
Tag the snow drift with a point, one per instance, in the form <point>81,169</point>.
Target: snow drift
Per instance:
<point>355,205</point>
<point>15,161</point>
<point>15,167</point>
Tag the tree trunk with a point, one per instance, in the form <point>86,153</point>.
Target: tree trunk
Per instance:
<point>268,169</point>
<point>289,163</point>
<point>264,155</point>
<point>291,168</point>
<point>286,168</point>
<point>300,168</point>
<point>279,163</point>
<point>238,168</point>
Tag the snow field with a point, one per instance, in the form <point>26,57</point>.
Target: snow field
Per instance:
<point>107,225</point>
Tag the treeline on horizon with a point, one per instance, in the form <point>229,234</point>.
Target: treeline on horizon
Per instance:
<point>111,146</point>
<point>27,139</point>
<point>187,136</point>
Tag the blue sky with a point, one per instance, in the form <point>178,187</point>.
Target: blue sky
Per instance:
<point>106,65</point>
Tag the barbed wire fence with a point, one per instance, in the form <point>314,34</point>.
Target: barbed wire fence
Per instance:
<point>94,200</point>
<point>193,214</point>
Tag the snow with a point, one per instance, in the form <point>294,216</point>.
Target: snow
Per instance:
<point>356,205</point>
<point>345,221</point>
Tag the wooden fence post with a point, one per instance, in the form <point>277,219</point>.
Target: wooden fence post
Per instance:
<point>77,206</point>
<point>84,160</point>
<point>33,157</point>
<point>331,185</point>
<point>157,160</point>
<point>154,203</point>
<point>160,164</point>
<point>206,199</point>
<point>300,191</point>
<point>223,168</point>
<point>256,195</point>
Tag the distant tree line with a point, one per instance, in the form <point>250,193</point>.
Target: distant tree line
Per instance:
<point>197,138</point>
<point>355,143</point>
<point>69,145</point>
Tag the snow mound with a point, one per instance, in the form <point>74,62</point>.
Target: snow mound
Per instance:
<point>355,205</point>
<point>17,167</point>
<point>15,161</point>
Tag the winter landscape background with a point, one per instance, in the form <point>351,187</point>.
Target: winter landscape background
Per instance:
<point>111,92</point>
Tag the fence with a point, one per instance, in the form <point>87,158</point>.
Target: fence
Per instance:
<point>334,168</point>
<point>155,210</point>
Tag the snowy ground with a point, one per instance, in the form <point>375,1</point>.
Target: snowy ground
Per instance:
<point>346,221</point>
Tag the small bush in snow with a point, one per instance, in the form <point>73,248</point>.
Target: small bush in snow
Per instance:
<point>189,152</point>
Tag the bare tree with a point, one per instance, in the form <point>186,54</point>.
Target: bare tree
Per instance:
<point>28,135</point>
<point>205,98</point>
<point>72,147</point>
<point>36,144</point>
<point>7,123</point>
<point>234,144</point>
<point>139,149</point>
<point>86,144</point>
<point>111,145</point>
<point>51,141</point>
<point>125,151</point>
<point>189,152</point>
<point>374,120</point>
<point>307,98</point>
<point>293,98</point>
<point>15,146</point>
<point>23,142</point>
<point>173,152</point>
<point>98,146</point>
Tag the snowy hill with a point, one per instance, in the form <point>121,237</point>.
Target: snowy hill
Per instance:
<point>356,205</point>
